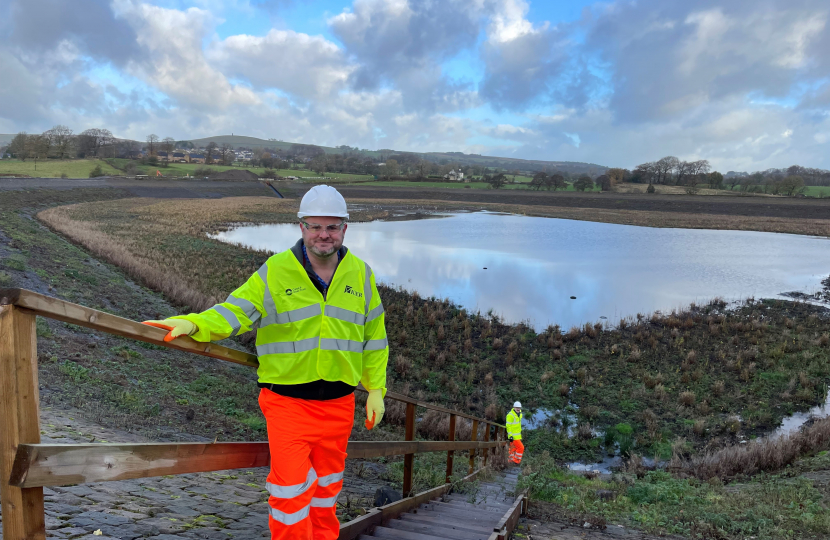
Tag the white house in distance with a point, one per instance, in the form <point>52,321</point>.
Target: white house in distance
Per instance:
<point>454,176</point>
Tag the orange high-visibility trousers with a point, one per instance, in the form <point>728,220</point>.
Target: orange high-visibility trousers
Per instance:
<point>307,440</point>
<point>516,451</point>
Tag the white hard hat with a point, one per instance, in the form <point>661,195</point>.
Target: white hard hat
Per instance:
<point>517,405</point>
<point>323,200</point>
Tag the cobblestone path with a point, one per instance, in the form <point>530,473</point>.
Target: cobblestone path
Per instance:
<point>215,506</point>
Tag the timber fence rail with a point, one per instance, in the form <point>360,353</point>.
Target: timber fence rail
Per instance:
<point>26,466</point>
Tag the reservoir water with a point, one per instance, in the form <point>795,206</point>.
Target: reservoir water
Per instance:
<point>527,268</point>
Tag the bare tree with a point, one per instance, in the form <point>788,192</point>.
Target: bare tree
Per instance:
<point>60,138</point>
<point>211,149</point>
<point>539,180</point>
<point>168,145</point>
<point>791,185</point>
<point>663,169</point>
<point>228,155</point>
<point>616,175</point>
<point>391,168</point>
<point>152,143</point>
<point>91,142</point>
<point>18,147</point>
<point>556,181</point>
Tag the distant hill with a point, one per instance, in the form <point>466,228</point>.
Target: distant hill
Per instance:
<point>573,167</point>
<point>461,158</point>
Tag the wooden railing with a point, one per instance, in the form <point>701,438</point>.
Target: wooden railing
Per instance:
<point>26,466</point>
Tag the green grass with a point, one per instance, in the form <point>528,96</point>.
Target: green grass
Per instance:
<point>817,191</point>
<point>188,169</point>
<point>765,508</point>
<point>53,168</point>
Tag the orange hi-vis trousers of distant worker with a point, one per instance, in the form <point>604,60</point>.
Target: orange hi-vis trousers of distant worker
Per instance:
<point>307,440</point>
<point>516,451</point>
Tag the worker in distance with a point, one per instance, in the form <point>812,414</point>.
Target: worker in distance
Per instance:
<point>514,433</point>
<point>321,332</point>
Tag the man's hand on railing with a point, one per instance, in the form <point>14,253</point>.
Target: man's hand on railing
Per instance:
<point>374,408</point>
<point>176,327</point>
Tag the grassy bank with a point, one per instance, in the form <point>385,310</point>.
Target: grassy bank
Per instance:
<point>786,505</point>
<point>55,168</point>
<point>706,377</point>
<point>189,169</point>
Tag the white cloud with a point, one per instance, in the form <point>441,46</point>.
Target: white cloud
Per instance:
<point>303,65</point>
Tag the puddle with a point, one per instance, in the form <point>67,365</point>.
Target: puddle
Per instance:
<point>793,423</point>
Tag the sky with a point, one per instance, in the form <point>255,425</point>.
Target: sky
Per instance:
<point>742,83</point>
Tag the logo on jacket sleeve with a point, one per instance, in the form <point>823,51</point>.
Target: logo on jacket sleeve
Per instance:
<point>350,290</point>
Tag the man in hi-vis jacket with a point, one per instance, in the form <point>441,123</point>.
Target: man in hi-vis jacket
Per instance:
<point>514,433</point>
<point>321,332</point>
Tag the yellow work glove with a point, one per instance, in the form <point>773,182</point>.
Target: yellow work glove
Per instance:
<point>176,327</point>
<point>374,408</point>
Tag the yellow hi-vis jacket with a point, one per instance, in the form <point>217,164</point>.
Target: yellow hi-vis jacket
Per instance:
<point>302,336</point>
<point>514,425</point>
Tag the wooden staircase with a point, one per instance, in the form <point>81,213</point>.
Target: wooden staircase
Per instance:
<point>488,514</point>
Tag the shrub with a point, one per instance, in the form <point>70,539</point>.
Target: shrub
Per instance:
<point>564,389</point>
<point>687,398</point>
<point>590,411</point>
<point>650,188</point>
<point>718,388</point>
<point>699,427</point>
<point>64,175</point>
<point>402,364</point>
<point>96,172</point>
<point>497,343</point>
<point>585,432</point>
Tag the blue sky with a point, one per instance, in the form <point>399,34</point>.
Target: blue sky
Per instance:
<point>743,84</point>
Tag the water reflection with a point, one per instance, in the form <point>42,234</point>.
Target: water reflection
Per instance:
<point>534,265</point>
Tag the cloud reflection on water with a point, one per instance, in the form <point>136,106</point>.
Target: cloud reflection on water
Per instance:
<point>535,264</point>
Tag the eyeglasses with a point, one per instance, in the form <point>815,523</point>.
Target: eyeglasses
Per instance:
<point>317,229</point>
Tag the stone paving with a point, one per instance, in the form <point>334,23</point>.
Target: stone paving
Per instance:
<point>214,506</point>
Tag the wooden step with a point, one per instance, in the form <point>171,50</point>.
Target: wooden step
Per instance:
<point>386,532</point>
<point>462,511</point>
<point>448,522</point>
<point>430,528</point>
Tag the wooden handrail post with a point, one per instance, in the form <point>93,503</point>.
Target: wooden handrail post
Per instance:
<point>450,453</point>
<point>23,517</point>
<point>486,439</point>
<point>407,458</point>
<point>473,452</point>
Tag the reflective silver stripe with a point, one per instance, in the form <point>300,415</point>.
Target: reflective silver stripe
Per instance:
<point>289,492</point>
<point>376,345</point>
<point>345,315</point>
<point>267,301</point>
<point>229,317</point>
<point>367,288</point>
<point>374,314</point>
<point>246,306</point>
<point>327,502</point>
<point>329,344</point>
<point>290,519</point>
<point>283,347</point>
<point>298,314</point>
<point>330,479</point>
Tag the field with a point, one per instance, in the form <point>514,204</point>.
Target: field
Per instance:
<point>53,168</point>
<point>817,191</point>
<point>189,169</point>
